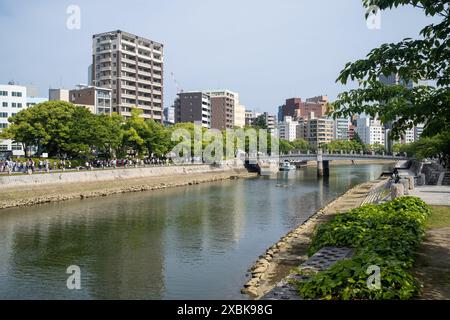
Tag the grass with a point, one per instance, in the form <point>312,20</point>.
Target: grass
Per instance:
<point>440,217</point>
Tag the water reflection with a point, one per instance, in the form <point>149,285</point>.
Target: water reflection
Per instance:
<point>194,242</point>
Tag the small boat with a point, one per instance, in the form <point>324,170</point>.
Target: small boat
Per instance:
<point>286,166</point>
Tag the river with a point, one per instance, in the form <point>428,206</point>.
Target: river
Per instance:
<point>193,242</point>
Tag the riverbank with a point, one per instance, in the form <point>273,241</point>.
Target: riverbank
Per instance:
<point>277,262</point>
<point>42,189</point>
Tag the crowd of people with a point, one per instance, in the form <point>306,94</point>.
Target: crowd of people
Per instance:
<point>44,165</point>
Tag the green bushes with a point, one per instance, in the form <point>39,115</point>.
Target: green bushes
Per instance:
<point>386,236</point>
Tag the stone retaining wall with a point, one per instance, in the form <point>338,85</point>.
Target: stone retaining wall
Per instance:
<point>12,181</point>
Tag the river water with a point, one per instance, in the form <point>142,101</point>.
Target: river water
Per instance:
<point>193,242</point>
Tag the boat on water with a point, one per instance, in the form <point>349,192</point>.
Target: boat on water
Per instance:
<point>286,166</point>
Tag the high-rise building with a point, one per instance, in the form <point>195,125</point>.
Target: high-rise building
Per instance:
<point>13,99</point>
<point>289,109</point>
<point>394,79</point>
<point>194,106</point>
<point>287,130</point>
<point>341,129</point>
<point>319,131</point>
<point>132,67</point>
<point>370,131</point>
<point>95,99</point>
<point>223,106</point>
<point>271,121</point>
<point>297,109</point>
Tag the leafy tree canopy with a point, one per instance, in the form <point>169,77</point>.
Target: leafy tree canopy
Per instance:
<point>426,58</point>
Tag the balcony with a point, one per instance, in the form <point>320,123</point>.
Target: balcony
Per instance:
<point>131,61</point>
<point>127,69</point>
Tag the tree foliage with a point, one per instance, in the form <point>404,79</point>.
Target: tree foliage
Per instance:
<point>412,60</point>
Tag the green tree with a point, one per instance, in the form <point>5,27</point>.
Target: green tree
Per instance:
<point>301,145</point>
<point>108,134</point>
<point>412,60</point>
<point>285,146</point>
<point>260,122</point>
<point>80,140</point>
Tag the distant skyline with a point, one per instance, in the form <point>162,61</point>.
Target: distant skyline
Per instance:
<point>266,51</point>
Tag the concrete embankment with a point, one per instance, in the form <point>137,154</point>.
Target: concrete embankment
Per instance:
<point>291,251</point>
<point>28,190</point>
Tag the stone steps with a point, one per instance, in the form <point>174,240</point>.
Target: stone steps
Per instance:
<point>446,180</point>
<point>320,261</point>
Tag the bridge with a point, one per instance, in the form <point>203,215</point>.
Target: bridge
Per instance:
<point>323,158</point>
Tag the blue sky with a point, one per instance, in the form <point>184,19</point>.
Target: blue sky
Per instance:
<point>265,50</point>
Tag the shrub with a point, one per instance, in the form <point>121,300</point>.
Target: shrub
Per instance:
<point>385,235</point>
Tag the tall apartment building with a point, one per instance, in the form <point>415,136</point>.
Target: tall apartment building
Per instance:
<point>370,131</point>
<point>132,67</point>
<point>296,108</point>
<point>289,109</point>
<point>13,99</point>
<point>319,131</point>
<point>95,99</point>
<point>287,130</point>
<point>271,121</point>
<point>341,129</point>
<point>223,106</point>
<point>192,107</point>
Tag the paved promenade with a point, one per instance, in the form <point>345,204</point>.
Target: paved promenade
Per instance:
<point>433,195</point>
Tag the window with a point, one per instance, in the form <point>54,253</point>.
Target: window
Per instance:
<point>19,105</point>
<point>5,104</point>
<point>4,93</point>
<point>16,94</point>
<point>13,104</point>
<point>3,125</point>
<point>16,146</point>
<point>3,114</point>
<point>3,147</point>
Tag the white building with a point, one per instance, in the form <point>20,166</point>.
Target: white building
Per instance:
<point>341,128</point>
<point>287,130</point>
<point>408,136</point>
<point>13,99</point>
<point>239,116</point>
<point>370,131</point>
<point>169,115</point>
